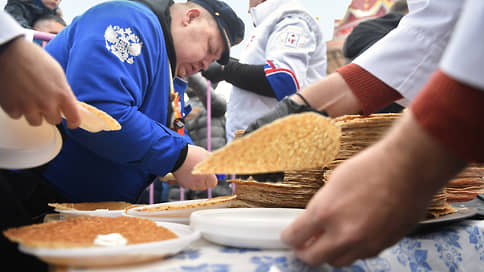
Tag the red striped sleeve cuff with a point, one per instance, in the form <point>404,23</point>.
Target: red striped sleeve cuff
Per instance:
<point>453,113</point>
<point>372,93</point>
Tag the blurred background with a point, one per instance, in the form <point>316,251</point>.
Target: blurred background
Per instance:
<point>326,10</point>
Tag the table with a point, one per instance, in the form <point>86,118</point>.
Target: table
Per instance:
<point>455,247</point>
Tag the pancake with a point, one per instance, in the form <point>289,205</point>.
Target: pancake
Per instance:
<point>296,142</point>
<point>90,206</point>
<point>110,121</point>
<point>82,231</point>
<point>186,205</point>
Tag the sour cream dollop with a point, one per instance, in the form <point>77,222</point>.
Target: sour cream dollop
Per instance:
<point>112,239</point>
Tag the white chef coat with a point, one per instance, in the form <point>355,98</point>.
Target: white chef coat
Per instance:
<point>426,38</point>
<point>287,36</point>
<point>9,28</point>
<point>464,56</point>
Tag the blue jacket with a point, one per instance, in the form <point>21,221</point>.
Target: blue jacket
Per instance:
<point>115,58</point>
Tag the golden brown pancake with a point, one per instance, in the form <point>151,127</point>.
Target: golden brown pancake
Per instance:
<point>81,232</point>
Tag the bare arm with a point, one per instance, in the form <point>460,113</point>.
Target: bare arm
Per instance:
<point>332,95</point>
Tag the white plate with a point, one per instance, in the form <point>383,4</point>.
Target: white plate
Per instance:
<point>181,215</point>
<point>244,227</point>
<point>179,220</point>
<point>118,255</point>
<point>460,214</point>
<point>25,146</point>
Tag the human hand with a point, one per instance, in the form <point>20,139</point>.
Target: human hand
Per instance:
<point>355,215</point>
<point>214,72</point>
<point>184,174</point>
<point>35,86</point>
<point>284,108</point>
<point>373,199</point>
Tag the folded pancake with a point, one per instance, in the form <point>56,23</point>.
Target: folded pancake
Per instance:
<point>296,142</point>
<point>110,121</point>
<point>169,206</point>
<point>90,206</point>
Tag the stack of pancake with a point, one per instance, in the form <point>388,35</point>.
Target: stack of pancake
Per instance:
<point>298,186</point>
<point>359,132</point>
<point>467,184</point>
<point>294,191</point>
<point>251,193</point>
<point>439,205</point>
<point>356,133</point>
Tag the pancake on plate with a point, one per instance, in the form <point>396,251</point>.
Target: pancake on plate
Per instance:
<point>83,231</point>
<point>178,205</point>
<point>90,206</point>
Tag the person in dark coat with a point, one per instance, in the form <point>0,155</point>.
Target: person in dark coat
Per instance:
<point>27,12</point>
<point>365,34</point>
<point>370,31</point>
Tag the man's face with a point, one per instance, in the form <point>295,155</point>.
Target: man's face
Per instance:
<point>51,4</point>
<point>254,3</point>
<point>198,44</point>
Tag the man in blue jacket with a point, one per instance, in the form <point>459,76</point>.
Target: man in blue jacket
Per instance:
<point>121,57</point>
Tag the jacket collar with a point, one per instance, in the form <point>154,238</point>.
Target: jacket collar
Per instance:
<point>162,10</point>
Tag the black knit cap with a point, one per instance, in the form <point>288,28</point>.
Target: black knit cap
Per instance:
<point>230,25</point>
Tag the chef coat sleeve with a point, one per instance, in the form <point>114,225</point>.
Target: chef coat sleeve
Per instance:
<point>464,56</point>
<point>407,57</point>
<point>451,106</point>
<point>9,28</point>
<point>288,52</point>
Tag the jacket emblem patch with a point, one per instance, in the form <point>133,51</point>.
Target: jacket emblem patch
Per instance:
<point>123,43</point>
<point>292,39</point>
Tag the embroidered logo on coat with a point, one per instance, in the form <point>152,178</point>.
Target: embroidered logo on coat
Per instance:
<point>123,43</point>
<point>292,39</point>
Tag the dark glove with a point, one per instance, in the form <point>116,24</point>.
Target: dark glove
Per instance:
<point>214,73</point>
<point>284,108</point>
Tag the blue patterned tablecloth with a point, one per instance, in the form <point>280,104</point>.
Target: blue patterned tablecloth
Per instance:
<point>457,247</point>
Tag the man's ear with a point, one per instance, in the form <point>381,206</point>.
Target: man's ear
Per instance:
<point>191,15</point>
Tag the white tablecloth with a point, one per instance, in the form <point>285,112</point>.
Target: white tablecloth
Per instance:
<point>457,247</point>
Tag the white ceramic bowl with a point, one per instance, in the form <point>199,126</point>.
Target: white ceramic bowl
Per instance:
<point>26,146</point>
